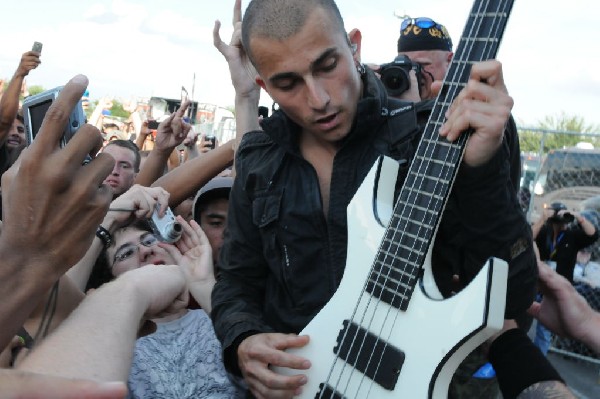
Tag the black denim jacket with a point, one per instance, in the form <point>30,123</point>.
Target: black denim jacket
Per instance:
<point>282,260</point>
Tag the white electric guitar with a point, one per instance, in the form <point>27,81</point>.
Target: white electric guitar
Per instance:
<point>387,332</point>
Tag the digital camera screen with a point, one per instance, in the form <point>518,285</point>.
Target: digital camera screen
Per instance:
<point>36,114</point>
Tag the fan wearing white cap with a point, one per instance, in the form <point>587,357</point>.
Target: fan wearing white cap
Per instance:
<point>210,211</point>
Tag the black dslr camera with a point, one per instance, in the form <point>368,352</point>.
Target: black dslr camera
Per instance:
<point>564,218</point>
<point>395,75</point>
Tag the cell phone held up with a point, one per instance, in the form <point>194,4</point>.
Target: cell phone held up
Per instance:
<point>37,47</point>
<point>211,141</point>
<point>152,124</point>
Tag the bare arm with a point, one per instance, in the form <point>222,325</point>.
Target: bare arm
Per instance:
<point>40,241</point>
<point>170,133</point>
<point>184,181</point>
<point>243,75</point>
<point>564,311</point>
<point>547,389</point>
<point>22,384</point>
<point>9,104</point>
<point>110,318</point>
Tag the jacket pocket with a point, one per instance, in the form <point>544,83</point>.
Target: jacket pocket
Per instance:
<point>283,286</point>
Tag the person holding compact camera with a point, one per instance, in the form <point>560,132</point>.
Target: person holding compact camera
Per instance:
<point>558,246</point>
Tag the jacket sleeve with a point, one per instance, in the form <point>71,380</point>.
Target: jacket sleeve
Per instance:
<point>238,295</point>
<point>483,219</point>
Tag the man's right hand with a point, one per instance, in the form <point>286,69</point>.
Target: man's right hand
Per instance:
<point>257,352</point>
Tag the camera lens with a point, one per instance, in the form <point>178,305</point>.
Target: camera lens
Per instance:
<point>173,232</point>
<point>395,81</point>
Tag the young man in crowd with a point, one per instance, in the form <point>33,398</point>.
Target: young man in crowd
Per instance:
<point>210,211</point>
<point>285,245</point>
<point>127,165</point>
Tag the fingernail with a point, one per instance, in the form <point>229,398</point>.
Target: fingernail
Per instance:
<point>80,79</point>
<point>303,380</point>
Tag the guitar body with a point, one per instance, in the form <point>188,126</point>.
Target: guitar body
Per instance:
<point>434,335</point>
<point>386,332</point>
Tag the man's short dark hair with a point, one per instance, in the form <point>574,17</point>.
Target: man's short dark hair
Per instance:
<point>281,19</point>
<point>131,146</point>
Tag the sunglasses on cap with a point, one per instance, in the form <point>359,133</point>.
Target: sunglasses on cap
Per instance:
<point>421,22</point>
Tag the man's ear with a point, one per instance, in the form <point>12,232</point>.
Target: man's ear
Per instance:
<point>355,38</point>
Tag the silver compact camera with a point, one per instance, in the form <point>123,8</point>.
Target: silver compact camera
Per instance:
<point>166,228</point>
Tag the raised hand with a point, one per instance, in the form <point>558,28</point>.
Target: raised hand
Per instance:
<point>52,203</point>
<point>193,254</point>
<point>172,131</point>
<point>29,60</point>
<point>243,74</point>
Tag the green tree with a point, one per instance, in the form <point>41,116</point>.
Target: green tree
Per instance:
<point>36,89</point>
<point>118,110</point>
<point>568,125</point>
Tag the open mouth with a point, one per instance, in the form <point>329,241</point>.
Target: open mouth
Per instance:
<point>327,119</point>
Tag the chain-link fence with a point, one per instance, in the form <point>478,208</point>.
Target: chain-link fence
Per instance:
<point>562,166</point>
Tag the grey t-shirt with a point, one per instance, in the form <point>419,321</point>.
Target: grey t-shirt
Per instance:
<point>182,359</point>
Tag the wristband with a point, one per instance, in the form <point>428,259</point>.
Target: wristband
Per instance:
<point>104,236</point>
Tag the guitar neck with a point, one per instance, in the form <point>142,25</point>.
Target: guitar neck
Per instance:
<point>433,169</point>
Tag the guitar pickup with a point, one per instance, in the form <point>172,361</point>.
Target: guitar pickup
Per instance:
<point>369,354</point>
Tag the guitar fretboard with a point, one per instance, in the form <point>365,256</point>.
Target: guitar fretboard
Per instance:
<point>433,169</point>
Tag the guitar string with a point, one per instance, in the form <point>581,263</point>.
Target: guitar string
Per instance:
<point>452,152</point>
<point>451,170</point>
<point>394,234</point>
<point>362,344</point>
<point>362,323</point>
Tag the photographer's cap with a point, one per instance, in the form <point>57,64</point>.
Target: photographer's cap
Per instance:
<point>432,36</point>
<point>557,206</point>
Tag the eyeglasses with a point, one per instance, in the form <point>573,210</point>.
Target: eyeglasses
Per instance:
<point>421,22</point>
<point>128,251</point>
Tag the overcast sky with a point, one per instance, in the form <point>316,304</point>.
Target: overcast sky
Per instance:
<point>139,48</point>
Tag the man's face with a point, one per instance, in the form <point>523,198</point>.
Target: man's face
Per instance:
<point>312,76</point>
<point>122,176</point>
<point>16,136</point>
<point>134,248</point>
<point>434,62</point>
<point>213,221</point>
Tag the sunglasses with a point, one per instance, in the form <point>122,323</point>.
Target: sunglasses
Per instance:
<point>421,22</point>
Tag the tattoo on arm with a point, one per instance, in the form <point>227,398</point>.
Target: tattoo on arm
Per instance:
<point>547,390</point>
